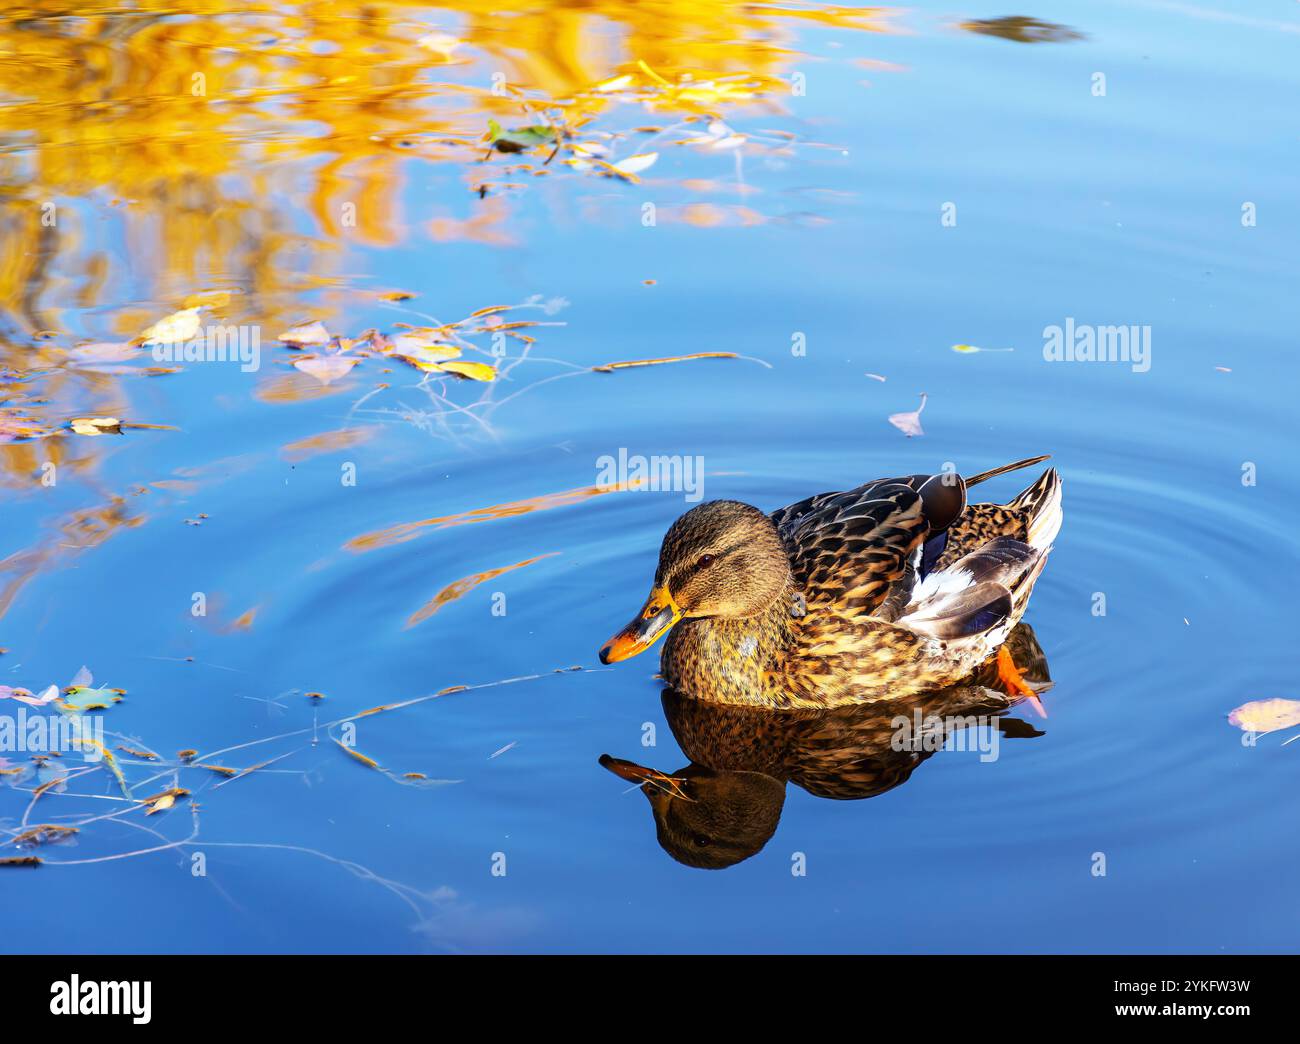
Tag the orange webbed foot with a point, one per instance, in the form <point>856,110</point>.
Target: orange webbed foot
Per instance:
<point>1009,675</point>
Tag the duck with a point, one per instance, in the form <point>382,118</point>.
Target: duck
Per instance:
<point>725,805</point>
<point>879,592</point>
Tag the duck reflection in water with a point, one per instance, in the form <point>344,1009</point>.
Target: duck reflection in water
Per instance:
<point>725,805</point>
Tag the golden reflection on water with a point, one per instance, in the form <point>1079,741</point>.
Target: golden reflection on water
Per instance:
<point>149,153</point>
<point>195,142</point>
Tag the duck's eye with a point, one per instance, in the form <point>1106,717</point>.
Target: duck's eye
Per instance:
<point>705,560</point>
<point>701,841</point>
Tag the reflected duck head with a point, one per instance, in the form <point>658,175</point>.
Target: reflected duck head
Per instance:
<point>720,559</point>
<point>705,818</point>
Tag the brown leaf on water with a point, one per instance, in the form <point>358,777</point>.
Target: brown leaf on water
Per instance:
<point>404,531</point>
<point>610,367</point>
<point>171,792</point>
<point>909,423</point>
<point>452,688</point>
<point>1266,715</point>
<point>145,754</point>
<point>462,587</point>
<point>20,861</point>
<point>220,770</point>
<point>162,804</point>
<point>326,442</point>
<point>395,295</point>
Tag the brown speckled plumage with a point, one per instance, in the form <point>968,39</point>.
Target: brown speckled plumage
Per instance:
<point>846,613</point>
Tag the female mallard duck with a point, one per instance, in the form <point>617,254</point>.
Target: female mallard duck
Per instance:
<point>879,592</point>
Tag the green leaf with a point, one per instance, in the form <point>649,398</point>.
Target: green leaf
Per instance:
<point>520,138</point>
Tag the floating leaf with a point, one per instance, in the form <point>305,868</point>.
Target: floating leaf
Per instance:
<point>162,804</point>
<point>220,770</point>
<point>475,371</point>
<point>20,861</point>
<point>79,700</point>
<point>519,139</point>
<point>177,327</point>
<point>636,164</point>
<point>96,425</point>
<point>326,368</point>
<point>909,423</point>
<point>307,334</point>
<point>1266,715</point>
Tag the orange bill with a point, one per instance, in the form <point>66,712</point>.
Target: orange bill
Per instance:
<point>658,614</point>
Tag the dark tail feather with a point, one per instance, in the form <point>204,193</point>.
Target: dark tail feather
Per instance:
<point>983,476</point>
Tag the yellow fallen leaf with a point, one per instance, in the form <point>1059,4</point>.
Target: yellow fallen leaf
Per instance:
<point>162,804</point>
<point>475,371</point>
<point>307,333</point>
<point>177,327</point>
<point>96,425</point>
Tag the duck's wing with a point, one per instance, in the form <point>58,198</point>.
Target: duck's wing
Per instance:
<point>850,552</point>
<point>976,595</point>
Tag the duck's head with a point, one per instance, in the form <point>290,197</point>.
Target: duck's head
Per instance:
<point>723,558</point>
<point>706,818</point>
